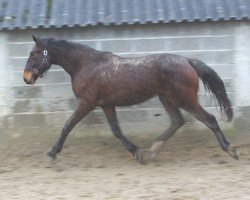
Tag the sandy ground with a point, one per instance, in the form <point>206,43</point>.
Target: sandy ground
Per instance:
<point>190,167</point>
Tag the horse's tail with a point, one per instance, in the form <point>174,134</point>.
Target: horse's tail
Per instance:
<point>212,82</point>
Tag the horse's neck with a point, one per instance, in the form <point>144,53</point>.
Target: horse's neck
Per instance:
<point>71,61</point>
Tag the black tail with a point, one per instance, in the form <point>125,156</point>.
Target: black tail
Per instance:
<point>212,82</point>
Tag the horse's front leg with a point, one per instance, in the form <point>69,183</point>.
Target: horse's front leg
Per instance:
<point>82,110</point>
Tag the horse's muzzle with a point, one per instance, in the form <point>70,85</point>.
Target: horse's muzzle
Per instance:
<point>29,77</point>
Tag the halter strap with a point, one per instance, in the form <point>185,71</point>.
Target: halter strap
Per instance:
<point>44,61</point>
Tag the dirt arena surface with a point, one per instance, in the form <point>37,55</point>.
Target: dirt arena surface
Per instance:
<point>191,167</point>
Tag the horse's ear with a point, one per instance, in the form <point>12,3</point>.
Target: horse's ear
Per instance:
<point>36,40</point>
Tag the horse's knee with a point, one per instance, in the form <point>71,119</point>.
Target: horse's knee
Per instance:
<point>67,128</point>
<point>178,122</point>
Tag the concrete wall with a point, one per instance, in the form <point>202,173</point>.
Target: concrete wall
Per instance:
<point>222,45</point>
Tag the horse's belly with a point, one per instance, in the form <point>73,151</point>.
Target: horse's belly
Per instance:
<point>132,99</point>
<point>127,97</point>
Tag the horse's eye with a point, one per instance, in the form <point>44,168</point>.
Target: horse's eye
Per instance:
<point>32,53</point>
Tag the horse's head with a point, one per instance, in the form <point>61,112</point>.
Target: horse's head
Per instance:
<point>38,62</point>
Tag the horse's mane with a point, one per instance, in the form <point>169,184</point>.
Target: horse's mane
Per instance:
<point>66,46</point>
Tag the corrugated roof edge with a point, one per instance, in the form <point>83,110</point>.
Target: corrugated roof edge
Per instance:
<point>120,24</point>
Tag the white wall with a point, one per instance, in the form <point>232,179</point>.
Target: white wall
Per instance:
<point>222,45</point>
<point>242,63</point>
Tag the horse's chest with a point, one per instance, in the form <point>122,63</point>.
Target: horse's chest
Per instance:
<point>84,87</point>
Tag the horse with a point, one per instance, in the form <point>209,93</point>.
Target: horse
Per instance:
<point>103,79</point>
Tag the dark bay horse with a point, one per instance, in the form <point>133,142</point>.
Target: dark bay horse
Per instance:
<point>106,80</point>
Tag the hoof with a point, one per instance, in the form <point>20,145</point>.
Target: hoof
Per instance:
<point>51,156</point>
<point>155,149</point>
<point>152,154</point>
<point>139,156</point>
<point>233,152</point>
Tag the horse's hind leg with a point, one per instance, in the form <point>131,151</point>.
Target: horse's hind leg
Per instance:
<point>176,122</point>
<point>211,122</point>
<point>114,125</point>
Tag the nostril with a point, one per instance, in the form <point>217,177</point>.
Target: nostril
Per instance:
<point>25,80</point>
<point>27,76</point>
